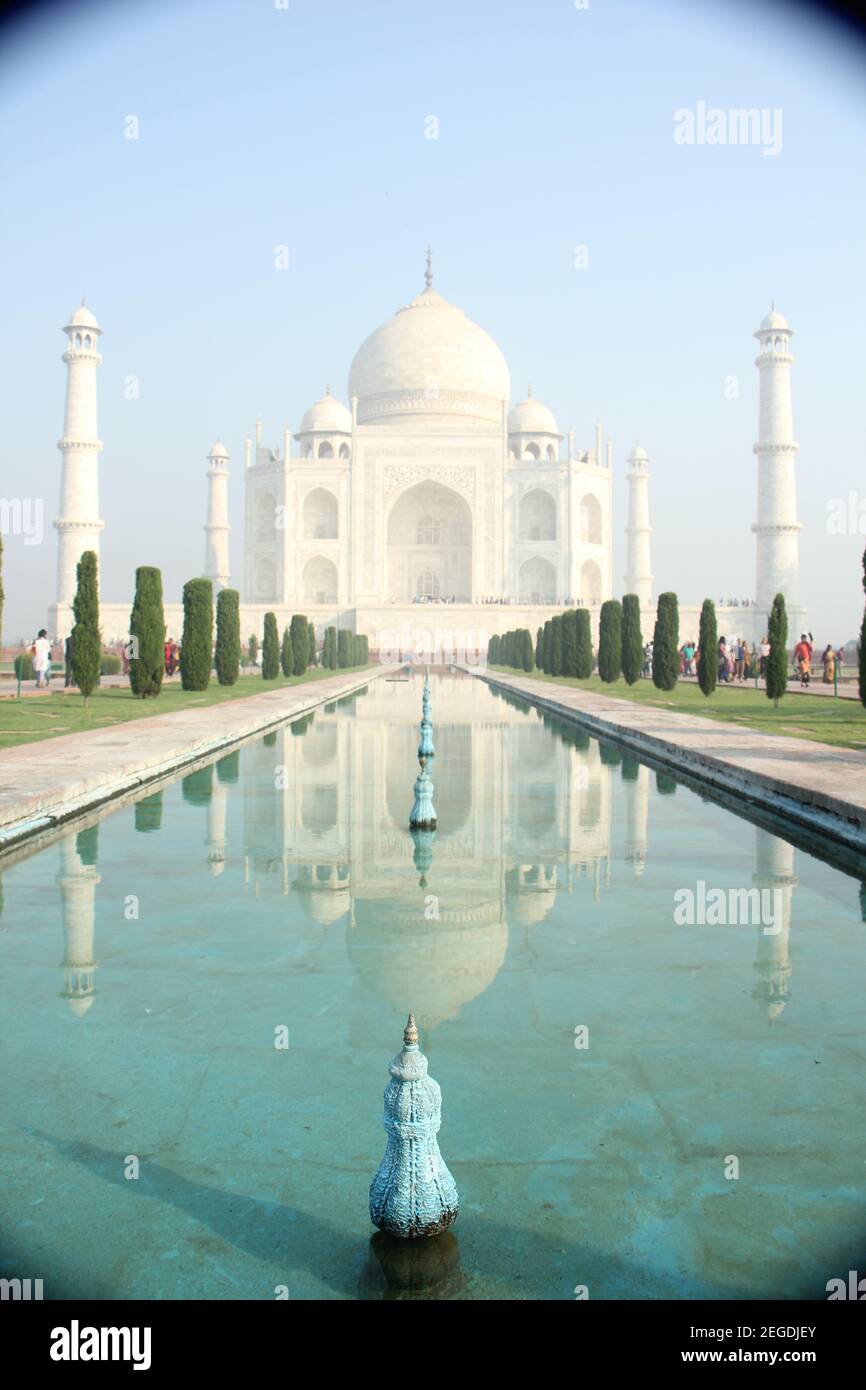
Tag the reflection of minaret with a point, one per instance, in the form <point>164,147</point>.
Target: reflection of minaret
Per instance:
<point>77,880</point>
<point>774,870</point>
<point>216,827</point>
<point>636,780</point>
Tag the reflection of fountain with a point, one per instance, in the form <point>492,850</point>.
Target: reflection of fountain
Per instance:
<point>412,1269</point>
<point>423,813</point>
<point>774,871</point>
<point>422,857</point>
<point>77,880</point>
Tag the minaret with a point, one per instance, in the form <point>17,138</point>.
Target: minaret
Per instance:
<point>639,579</point>
<point>777,526</point>
<point>78,525</point>
<point>216,546</point>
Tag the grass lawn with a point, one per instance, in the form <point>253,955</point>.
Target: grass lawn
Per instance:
<point>47,716</point>
<point>817,717</point>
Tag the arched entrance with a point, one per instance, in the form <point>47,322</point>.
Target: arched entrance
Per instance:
<point>537,581</point>
<point>320,580</point>
<point>429,545</point>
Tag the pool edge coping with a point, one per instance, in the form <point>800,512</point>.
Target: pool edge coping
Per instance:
<point>16,831</point>
<point>832,817</point>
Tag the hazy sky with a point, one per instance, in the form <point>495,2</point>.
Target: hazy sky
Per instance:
<point>306,126</point>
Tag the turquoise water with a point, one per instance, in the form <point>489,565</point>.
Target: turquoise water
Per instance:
<point>150,957</point>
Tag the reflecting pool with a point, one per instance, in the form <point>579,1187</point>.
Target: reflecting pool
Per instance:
<point>635,1103</point>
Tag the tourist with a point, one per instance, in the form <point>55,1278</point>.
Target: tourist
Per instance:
<point>689,657</point>
<point>742,653</point>
<point>840,662</point>
<point>754,662</point>
<point>69,662</point>
<point>803,659</point>
<point>41,653</point>
<point>828,661</point>
<point>646,670</point>
<point>763,654</point>
<point>724,670</point>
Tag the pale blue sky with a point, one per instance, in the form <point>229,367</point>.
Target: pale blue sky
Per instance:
<point>305,126</point>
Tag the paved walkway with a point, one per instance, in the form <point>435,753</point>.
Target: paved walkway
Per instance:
<point>47,782</point>
<point>817,786</point>
<point>847,690</point>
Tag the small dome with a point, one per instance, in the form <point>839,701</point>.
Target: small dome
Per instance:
<point>218,451</point>
<point>531,417</point>
<point>638,455</point>
<point>774,320</point>
<point>327,416</point>
<point>82,318</point>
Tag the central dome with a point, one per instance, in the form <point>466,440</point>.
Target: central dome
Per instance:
<point>430,360</point>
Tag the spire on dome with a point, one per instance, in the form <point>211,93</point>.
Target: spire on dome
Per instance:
<point>410,1032</point>
<point>428,273</point>
<point>529,391</point>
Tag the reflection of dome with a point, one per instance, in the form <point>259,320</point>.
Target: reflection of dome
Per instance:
<point>430,967</point>
<point>328,416</point>
<point>429,359</point>
<point>531,893</point>
<point>323,890</point>
<point>79,1004</point>
<point>531,417</point>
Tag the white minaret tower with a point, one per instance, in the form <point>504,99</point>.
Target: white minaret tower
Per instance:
<point>78,525</point>
<point>639,579</point>
<point>216,547</point>
<point>777,527</point>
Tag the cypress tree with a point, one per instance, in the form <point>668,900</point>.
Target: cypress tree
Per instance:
<point>196,643</point>
<point>312,658</point>
<point>666,643</point>
<point>342,648</point>
<point>539,646</point>
<point>286,653</point>
<point>546,643</point>
<point>528,654</point>
<point>861,650</point>
<point>708,641</point>
<point>610,640</point>
<point>584,644</point>
<point>777,661</point>
<point>147,631</point>
<point>86,637</point>
<point>632,639</point>
<point>270,649</point>
<point>569,642</point>
<point>365,649</point>
<point>228,636</point>
<point>556,645</point>
<point>331,649</point>
<point>300,644</point>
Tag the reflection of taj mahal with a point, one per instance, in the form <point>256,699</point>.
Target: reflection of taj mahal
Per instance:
<point>535,829</point>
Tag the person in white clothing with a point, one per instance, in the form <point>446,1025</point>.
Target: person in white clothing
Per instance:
<point>41,651</point>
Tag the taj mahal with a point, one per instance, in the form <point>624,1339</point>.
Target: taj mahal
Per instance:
<point>431,487</point>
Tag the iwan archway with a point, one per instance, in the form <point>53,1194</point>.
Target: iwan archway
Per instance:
<point>429,545</point>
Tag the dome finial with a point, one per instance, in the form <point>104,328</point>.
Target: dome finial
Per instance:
<point>428,273</point>
<point>327,388</point>
<point>529,390</point>
<point>410,1032</point>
